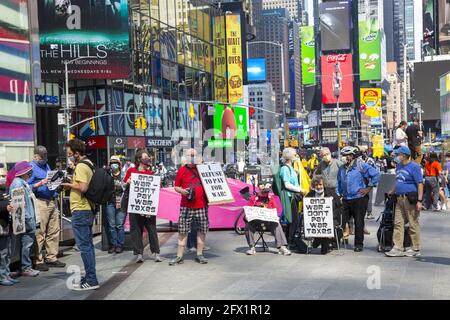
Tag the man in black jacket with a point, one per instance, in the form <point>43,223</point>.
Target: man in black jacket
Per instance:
<point>319,191</point>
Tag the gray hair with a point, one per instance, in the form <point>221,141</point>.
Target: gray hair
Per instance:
<point>316,179</point>
<point>41,151</point>
<point>289,154</point>
<point>325,150</point>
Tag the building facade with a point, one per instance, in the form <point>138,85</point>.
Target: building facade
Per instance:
<point>262,96</point>
<point>293,6</point>
<point>394,98</point>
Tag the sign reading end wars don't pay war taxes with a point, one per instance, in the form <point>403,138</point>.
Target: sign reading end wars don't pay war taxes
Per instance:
<point>144,194</point>
<point>318,217</point>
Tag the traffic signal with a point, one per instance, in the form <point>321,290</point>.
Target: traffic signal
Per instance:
<point>92,124</point>
<point>143,123</point>
<point>72,136</point>
<point>137,123</point>
<point>251,111</point>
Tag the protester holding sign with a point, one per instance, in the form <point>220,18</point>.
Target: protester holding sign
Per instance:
<point>318,190</point>
<point>193,207</point>
<point>264,200</point>
<point>48,234</point>
<point>140,221</point>
<point>23,171</point>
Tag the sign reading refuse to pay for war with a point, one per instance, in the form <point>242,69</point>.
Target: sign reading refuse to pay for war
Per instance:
<point>318,217</point>
<point>215,183</point>
<point>144,194</point>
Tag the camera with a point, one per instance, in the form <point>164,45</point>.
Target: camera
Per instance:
<point>191,194</point>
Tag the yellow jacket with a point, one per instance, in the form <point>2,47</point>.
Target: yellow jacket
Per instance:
<point>303,177</point>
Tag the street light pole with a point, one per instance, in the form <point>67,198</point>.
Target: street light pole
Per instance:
<point>337,93</point>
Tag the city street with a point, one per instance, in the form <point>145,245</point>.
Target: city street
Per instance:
<point>230,274</point>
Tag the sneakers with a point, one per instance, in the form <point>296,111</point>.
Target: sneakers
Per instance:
<point>139,258</point>
<point>206,248</point>
<point>111,250</point>
<point>370,216</point>
<point>30,273</point>
<point>358,249</point>
<point>201,259</point>
<point>251,251</point>
<point>41,267</point>
<point>191,250</point>
<point>12,279</point>
<point>366,232</point>
<point>438,208</point>
<point>284,251</point>
<point>55,264</point>
<point>157,257</point>
<point>444,207</point>
<point>175,261</point>
<point>395,253</point>
<point>7,282</point>
<point>412,253</point>
<point>84,286</point>
<point>119,249</point>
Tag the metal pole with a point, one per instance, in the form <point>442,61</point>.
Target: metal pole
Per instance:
<point>405,103</point>
<point>66,109</point>
<point>338,128</point>
<point>283,88</point>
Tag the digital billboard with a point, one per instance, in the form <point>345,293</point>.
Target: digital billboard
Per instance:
<point>369,50</point>
<point>94,31</point>
<point>429,27</point>
<point>445,104</point>
<point>371,102</point>
<point>256,69</point>
<point>234,59</point>
<point>335,25</point>
<point>229,123</point>
<point>308,55</point>
<point>345,71</point>
<point>444,26</point>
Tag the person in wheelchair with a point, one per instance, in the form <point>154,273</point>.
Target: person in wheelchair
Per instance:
<point>318,190</point>
<point>265,200</point>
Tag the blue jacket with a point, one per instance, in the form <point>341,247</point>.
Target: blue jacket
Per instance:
<point>40,173</point>
<point>357,176</point>
<point>30,217</point>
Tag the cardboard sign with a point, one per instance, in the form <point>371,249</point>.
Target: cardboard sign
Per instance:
<point>144,194</point>
<point>215,183</point>
<point>263,214</point>
<point>53,185</point>
<point>18,214</point>
<point>318,217</point>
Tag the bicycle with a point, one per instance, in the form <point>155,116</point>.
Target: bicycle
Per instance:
<point>240,223</point>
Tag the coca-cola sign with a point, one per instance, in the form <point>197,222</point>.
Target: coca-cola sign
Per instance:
<point>333,58</point>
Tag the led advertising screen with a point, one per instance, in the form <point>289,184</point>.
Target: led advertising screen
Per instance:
<point>444,26</point>
<point>229,123</point>
<point>234,59</point>
<point>256,69</point>
<point>371,102</point>
<point>429,27</point>
<point>94,31</point>
<point>445,104</point>
<point>335,25</point>
<point>369,50</point>
<point>308,55</point>
<point>345,72</point>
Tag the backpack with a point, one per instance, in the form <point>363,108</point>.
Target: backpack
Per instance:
<point>101,187</point>
<point>277,183</point>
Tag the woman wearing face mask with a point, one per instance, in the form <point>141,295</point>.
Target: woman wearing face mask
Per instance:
<point>139,222</point>
<point>23,171</point>
<point>115,215</point>
<point>318,190</point>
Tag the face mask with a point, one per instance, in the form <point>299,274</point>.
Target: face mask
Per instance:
<point>42,163</point>
<point>2,182</point>
<point>114,166</point>
<point>192,160</point>
<point>397,159</point>
<point>71,159</point>
<point>319,191</point>
<point>145,161</point>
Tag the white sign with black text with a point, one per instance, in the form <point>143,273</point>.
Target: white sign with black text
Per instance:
<point>18,214</point>
<point>144,194</point>
<point>53,185</point>
<point>263,214</point>
<point>318,217</point>
<point>215,183</point>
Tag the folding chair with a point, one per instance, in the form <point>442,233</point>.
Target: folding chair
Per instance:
<point>261,229</point>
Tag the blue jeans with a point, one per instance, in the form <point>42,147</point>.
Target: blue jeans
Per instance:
<point>82,222</point>
<point>192,237</point>
<point>115,219</point>
<point>5,256</point>
<point>26,246</point>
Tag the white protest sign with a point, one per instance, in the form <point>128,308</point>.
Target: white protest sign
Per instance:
<point>144,194</point>
<point>18,214</point>
<point>263,214</point>
<point>53,185</point>
<point>215,183</point>
<point>318,217</point>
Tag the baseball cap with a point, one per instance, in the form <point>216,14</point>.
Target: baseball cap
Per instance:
<point>403,150</point>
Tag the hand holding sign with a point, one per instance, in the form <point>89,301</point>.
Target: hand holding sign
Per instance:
<point>144,194</point>
<point>215,183</point>
<point>263,214</point>
<point>318,217</point>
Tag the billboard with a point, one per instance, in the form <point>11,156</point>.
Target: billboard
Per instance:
<point>371,102</point>
<point>15,68</point>
<point>444,26</point>
<point>429,27</point>
<point>308,55</point>
<point>234,59</point>
<point>220,60</point>
<point>335,25</point>
<point>345,70</point>
<point>256,69</point>
<point>445,104</point>
<point>369,50</point>
<point>97,31</point>
<point>230,122</point>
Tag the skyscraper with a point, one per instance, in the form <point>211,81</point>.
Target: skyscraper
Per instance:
<point>394,28</point>
<point>413,29</point>
<point>293,6</point>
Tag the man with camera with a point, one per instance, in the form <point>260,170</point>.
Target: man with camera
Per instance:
<point>48,234</point>
<point>193,208</point>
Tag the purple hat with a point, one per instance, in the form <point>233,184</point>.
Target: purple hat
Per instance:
<point>22,167</point>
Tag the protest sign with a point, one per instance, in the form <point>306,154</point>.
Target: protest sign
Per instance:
<point>263,214</point>
<point>53,185</point>
<point>144,194</point>
<point>18,214</point>
<point>318,217</point>
<point>215,183</point>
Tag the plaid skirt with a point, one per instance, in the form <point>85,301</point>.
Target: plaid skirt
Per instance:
<point>188,216</point>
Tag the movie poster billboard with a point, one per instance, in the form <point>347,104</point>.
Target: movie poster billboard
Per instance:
<point>94,31</point>
<point>345,71</point>
<point>335,25</point>
<point>369,50</point>
<point>220,60</point>
<point>308,55</point>
<point>234,59</point>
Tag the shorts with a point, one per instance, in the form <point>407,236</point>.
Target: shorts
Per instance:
<point>442,182</point>
<point>198,216</point>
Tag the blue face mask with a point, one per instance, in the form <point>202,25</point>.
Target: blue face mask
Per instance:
<point>42,163</point>
<point>397,159</point>
<point>114,166</point>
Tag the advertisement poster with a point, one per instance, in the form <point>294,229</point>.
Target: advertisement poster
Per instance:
<point>256,69</point>
<point>445,104</point>
<point>444,27</point>
<point>94,31</point>
<point>369,50</point>
<point>328,78</point>
<point>308,55</point>
<point>15,68</point>
<point>335,25</point>
<point>230,122</point>
<point>429,27</point>
<point>378,146</point>
<point>234,59</point>
<point>371,102</point>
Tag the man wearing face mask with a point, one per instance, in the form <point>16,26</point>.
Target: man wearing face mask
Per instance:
<point>48,234</point>
<point>354,182</point>
<point>328,168</point>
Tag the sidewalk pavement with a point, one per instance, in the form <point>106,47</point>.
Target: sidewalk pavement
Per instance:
<point>230,274</point>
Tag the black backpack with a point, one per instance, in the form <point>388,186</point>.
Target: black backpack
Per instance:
<point>101,187</point>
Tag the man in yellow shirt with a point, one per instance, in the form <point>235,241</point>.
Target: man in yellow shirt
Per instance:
<point>82,212</point>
